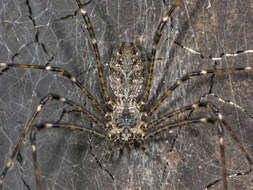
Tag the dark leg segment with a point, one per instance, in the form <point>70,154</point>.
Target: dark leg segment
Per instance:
<point>96,51</point>
<point>29,124</point>
<point>61,72</point>
<point>191,76</point>
<point>157,38</point>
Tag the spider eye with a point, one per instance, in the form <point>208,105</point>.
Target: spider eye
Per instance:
<point>119,52</point>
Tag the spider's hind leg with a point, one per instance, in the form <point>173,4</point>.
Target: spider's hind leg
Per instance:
<point>35,129</point>
<point>217,119</point>
<point>232,134</point>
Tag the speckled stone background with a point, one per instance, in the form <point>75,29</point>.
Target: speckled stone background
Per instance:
<point>188,159</point>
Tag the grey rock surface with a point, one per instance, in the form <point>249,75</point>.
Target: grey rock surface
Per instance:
<point>186,159</point>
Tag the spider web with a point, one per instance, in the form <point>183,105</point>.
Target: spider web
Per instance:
<point>49,32</point>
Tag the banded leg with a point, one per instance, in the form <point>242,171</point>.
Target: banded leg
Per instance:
<point>56,125</point>
<point>157,38</point>
<point>235,138</point>
<point>63,73</point>
<point>214,110</point>
<point>192,75</point>
<point>212,121</point>
<point>96,51</point>
<point>165,117</point>
<point>208,105</point>
<point>154,124</point>
<point>220,57</point>
<point>29,124</point>
<point>219,118</point>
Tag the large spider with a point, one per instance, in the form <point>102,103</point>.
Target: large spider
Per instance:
<point>127,116</point>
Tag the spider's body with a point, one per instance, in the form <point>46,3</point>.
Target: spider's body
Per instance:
<point>126,82</point>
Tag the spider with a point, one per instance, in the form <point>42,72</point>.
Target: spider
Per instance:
<point>127,116</point>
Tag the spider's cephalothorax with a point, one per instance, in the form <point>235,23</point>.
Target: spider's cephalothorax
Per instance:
<point>126,81</point>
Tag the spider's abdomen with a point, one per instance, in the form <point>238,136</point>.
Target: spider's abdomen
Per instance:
<point>126,73</point>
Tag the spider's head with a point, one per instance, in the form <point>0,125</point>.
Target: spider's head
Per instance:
<point>126,72</point>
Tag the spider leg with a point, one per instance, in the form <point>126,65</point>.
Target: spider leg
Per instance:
<point>212,121</point>
<point>220,57</point>
<point>109,152</point>
<point>35,114</point>
<point>35,129</point>
<point>157,38</point>
<point>192,75</point>
<point>63,73</point>
<point>209,105</point>
<point>235,138</point>
<point>165,117</point>
<point>155,123</point>
<point>96,51</point>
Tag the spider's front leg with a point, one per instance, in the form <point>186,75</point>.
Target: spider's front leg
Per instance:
<point>158,35</point>
<point>43,102</point>
<point>93,39</point>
